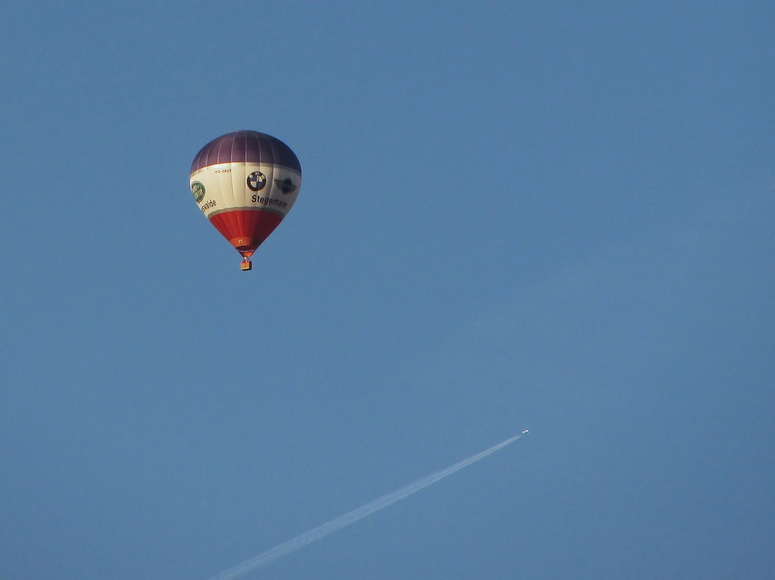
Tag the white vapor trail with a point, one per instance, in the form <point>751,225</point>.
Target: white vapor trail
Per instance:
<point>353,516</point>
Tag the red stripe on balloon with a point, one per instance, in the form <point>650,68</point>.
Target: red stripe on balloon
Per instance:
<point>246,229</point>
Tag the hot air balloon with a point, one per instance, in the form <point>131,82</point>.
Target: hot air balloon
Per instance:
<point>245,183</point>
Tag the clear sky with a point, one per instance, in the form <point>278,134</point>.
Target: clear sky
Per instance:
<point>545,215</point>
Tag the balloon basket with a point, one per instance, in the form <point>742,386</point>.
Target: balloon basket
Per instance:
<point>246,265</point>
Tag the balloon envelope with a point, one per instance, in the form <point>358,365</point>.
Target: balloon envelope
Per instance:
<point>245,183</point>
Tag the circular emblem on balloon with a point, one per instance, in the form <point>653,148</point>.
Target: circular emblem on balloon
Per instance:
<point>198,189</point>
<point>286,185</point>
<point>256,181</point>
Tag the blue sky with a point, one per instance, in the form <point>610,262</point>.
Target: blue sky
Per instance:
<point>555,216</point>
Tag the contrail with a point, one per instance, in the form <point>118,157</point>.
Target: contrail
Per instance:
<point>353,516</point>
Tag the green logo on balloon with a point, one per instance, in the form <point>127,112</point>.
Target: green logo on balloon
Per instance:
<point>198,189</point>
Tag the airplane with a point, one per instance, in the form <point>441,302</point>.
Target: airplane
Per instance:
<point>525,431</point>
